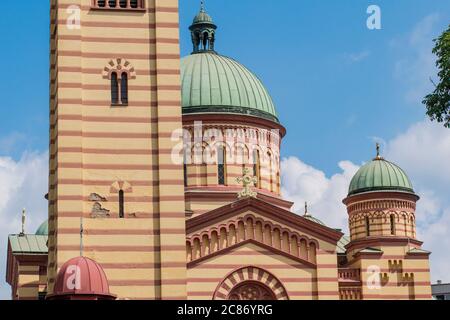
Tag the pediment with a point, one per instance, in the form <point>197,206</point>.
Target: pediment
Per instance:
<point>254,221</point>
<point>264,211</point>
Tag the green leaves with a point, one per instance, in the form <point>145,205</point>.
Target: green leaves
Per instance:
<point>438,102</point>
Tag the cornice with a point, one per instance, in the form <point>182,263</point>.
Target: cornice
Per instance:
<point>236,119</point>
<point>382,241</point>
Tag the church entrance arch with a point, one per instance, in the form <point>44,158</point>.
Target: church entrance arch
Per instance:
<point>251,290</point>
<point>250,283</point>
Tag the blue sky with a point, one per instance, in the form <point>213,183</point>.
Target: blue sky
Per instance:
<point>337,85</point>
<point>333,80</point>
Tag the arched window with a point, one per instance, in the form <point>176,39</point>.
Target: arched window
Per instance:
<point>367,226</point>
<point>121,204</point>
<point>114,88</point>
<point>119,71</point>
<point>221,162</point>
<point>124,88</point>
<point>257,168</point>
<point>392,217</point>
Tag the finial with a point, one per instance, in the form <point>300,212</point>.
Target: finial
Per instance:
<point>247,181</point>
<point>202,6</point>
<point>22,233</point>
<point>378,157</point>
<point>81,236</point>
<point>306,208</point>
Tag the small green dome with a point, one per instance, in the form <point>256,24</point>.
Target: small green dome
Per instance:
<point>43,229</point>
<point>212,83</point>
<point>202,17</point>
<point>380,175</point>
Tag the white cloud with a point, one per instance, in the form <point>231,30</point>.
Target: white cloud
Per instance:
<point>423,151</point>
<point>23,185</point>
<point>302,182</point>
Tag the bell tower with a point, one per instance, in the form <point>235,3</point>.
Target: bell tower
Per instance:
<point>114,102</point>
<point>384,250</point>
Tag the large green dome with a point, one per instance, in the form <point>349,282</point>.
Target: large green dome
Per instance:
<point>212,83</point>
<point>380,175</point>
<point>43,229</point>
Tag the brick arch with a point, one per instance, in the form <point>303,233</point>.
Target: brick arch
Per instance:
<point>121,185</point>
<point>251,275</point>
<point>119,65</point>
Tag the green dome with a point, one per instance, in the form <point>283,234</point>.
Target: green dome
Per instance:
<point>202,17</point>
<point>380,175</point>
<point>212,83</point>
<point>43,229</point>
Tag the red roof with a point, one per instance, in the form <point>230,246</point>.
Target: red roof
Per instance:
<point>82,277</point>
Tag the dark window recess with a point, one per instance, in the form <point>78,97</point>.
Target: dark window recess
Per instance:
<point>124,88</point>
<point>221,169</point>
<point>221,165</point>
<point>121,204</point>
<point>392,225</point>
<point>367,226</point>
<point>114,89</point>
<point>42,295</point>
<point>185,175</point>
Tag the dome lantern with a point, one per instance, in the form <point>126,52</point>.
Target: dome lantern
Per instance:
<point>203,31</point>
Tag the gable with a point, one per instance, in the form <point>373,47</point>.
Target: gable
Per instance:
<point>230,231</point>
<point>260,212</point>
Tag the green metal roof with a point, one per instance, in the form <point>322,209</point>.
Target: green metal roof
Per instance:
<point>380,175</point>
<point>43,229</point>
<point>212,83</point>
<point>370,250</point>
<point>28,244</point>
<point>342,243</point>
<point>313,219</point>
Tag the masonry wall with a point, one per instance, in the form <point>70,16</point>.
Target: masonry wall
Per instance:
<point>98,149</point>
<point>305,266</point>
<point>402,276</point>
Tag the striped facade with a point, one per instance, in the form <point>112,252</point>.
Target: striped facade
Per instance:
<point>166,230</point>
<point>98,149</point>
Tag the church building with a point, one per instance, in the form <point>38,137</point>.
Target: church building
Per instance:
<point>164,179</point>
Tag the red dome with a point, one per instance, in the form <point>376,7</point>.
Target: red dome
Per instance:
<point>81,277</point>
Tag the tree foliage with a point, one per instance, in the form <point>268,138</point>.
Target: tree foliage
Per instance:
<point>438,102</point>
